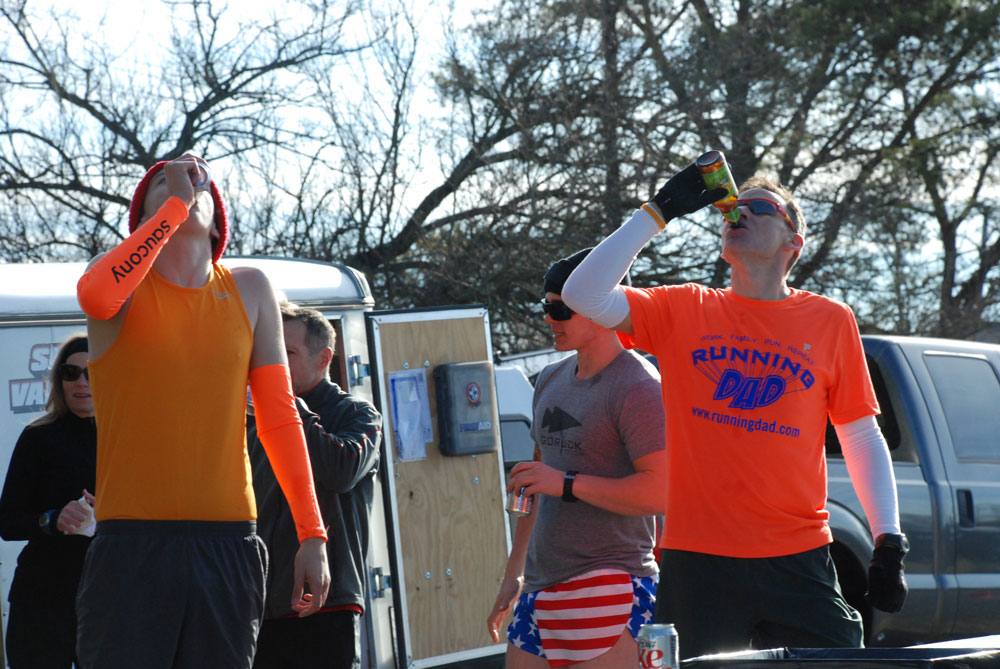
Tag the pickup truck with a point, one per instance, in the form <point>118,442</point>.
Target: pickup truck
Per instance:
<point>940,402</point>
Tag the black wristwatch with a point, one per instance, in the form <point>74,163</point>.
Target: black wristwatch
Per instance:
<point>899,541</point>
<point>45,522</point>
<point>568,495</point>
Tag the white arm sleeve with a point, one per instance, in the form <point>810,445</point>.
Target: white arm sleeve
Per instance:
<point>593,288</point>
<point>870,468</point>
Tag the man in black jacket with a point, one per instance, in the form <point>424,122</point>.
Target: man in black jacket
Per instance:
<point>343,435</point>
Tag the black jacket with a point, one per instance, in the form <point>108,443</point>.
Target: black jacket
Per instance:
<point>343,441</point>
<point>51,465</point>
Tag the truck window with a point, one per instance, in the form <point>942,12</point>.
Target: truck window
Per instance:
<point>969,391</point>
<point>886,420</point>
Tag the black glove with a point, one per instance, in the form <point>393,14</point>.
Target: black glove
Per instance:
<point>886,582</point>
<point>685,193</point>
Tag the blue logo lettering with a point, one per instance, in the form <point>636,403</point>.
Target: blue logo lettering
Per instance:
<point>748,392</point>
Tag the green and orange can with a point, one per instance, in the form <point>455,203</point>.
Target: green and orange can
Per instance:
<point>715,173</point>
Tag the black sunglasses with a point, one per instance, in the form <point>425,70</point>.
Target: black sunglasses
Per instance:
<point>761,206</point>
<point>558,310</point>
<point>70,373</point>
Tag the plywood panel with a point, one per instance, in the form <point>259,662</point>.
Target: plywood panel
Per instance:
<point>451,518</point>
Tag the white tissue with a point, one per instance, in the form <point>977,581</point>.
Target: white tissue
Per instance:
<point>88,527</point>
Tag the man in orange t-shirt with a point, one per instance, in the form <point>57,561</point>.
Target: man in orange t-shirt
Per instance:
<point>751,374</point>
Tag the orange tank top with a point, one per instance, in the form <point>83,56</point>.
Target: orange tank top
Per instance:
<point>170,401</point>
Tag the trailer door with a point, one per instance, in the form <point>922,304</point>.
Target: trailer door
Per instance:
<point>445,514</point>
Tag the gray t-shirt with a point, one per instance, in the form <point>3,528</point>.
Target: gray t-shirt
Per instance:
<point>595,426</point>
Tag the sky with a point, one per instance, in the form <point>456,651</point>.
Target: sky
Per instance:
<point>131,29</point>
<point>119,20</point>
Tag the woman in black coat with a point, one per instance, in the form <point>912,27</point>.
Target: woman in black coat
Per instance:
<point>52,468</point>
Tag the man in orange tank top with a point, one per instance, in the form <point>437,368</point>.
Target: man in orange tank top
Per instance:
<point>750,375</point>
<point>175,575</point>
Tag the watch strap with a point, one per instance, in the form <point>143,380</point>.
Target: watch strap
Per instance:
<point>568,479</point>
<point>47,521</point>
<point>898,541</point>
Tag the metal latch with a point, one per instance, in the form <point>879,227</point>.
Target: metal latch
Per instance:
<point>379,582</point>
<point>357,370</point>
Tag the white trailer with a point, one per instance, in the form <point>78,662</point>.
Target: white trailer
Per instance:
<point>440,536</point>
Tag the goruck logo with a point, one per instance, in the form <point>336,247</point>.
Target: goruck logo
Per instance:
<point>556,420</point>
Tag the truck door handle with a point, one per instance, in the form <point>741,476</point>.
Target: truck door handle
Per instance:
<point>966,512</point>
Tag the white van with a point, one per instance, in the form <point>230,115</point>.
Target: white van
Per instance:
<point>440,536</point>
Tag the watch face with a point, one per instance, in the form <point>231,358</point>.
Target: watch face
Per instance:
<point>43,520</point>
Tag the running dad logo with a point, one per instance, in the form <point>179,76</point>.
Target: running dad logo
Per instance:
<point>749,378</point>
<point>29,395</point>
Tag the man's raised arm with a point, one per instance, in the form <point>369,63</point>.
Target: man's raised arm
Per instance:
<point>593,288</point>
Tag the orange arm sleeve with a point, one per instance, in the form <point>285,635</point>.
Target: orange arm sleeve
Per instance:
<point>104,287</point>
<point>280,430</point>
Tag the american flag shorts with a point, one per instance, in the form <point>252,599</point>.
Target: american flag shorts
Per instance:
<point>583,617</point>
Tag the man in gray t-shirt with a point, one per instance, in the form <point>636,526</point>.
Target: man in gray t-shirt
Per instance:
<point>586,551</point>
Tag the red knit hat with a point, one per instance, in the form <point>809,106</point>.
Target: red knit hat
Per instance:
<point>221,218</point>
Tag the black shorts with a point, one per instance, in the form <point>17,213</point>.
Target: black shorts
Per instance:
<point>720,604</point>
<point>171,594</point>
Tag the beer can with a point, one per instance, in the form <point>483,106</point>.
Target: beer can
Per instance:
<point>715,173</point>
<point>658,646</point>
<point>203,180</point>
<point>519,504</point>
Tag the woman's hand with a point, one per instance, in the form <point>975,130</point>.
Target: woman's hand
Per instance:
<point>76,515</point>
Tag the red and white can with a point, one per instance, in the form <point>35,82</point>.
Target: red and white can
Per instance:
<point>658,646</point>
